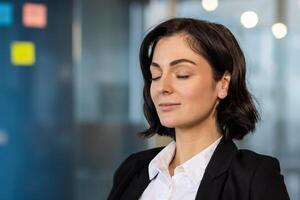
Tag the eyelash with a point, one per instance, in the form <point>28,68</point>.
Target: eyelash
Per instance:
<point>180,77</point>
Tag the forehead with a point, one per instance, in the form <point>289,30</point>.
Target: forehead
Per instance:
<point>171,41</point>
<point>175,47</point>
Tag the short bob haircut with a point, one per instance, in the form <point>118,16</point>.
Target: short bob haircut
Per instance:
<point>236,114</point>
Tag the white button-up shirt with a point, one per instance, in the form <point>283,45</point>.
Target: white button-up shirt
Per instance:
<point>186,179</point>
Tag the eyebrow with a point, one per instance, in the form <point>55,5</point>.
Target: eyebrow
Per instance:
<point>175,62</point>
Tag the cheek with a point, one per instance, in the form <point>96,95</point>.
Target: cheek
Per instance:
<point>198,94</point>
<point>152,92</point>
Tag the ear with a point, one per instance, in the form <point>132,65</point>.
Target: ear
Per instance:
<point>223,85</point>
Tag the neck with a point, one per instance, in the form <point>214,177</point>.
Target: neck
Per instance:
<point>190,142</point>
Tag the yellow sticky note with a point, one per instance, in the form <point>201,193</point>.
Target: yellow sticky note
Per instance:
<point>23,53</point>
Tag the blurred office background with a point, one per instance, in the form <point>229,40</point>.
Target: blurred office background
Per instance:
<point>71,88</point>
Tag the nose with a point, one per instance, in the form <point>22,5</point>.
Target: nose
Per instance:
<point>165,85</point>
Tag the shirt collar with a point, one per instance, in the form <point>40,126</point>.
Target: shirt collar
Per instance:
<point>160,162</point>
<point>194,167</point>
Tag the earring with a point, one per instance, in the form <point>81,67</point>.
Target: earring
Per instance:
<point>222,95</point>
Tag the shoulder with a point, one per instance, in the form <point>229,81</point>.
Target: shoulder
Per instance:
<point>253,159</point>
<point>135,162</point>
<point>143,157</point>
<point>132,165</point>
<point>252,163</point>
<point>261,172</point>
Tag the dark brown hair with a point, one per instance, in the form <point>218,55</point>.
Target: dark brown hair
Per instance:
<point>236,114</point>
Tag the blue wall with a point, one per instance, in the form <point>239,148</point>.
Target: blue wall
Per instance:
<point>36,108</point>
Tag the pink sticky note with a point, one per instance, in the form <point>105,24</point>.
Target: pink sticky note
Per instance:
<point>35,15</point>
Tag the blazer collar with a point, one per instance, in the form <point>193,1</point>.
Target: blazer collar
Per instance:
<point>140,180</point>
<point>221,158</point>
<point>214,176</point>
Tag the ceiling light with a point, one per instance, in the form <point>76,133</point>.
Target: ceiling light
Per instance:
<point>210,5</point>
<point>249,19</point>
<point>279,30</point>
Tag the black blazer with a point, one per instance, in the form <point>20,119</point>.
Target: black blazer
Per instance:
<point>231,174</point>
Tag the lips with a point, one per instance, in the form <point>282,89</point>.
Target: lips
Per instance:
<point>168,106</point>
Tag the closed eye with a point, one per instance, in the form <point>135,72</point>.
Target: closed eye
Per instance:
<point>154,79</point>
<point>183,77</point>
<point>180,77</point>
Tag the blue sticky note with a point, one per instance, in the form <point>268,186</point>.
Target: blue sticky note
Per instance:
<point>6,14</point>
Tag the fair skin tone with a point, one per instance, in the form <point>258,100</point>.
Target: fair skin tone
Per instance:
<point>184,78</point>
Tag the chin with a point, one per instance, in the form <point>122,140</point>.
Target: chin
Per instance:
<point>169,123</point>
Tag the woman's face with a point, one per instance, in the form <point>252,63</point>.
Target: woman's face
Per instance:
<point>183,89</point>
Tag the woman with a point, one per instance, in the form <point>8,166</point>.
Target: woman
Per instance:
<point>195,92</point>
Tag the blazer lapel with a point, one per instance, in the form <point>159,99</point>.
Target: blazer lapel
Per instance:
<point>138,185</point>
<point>140,179</point>
<point>213,179</point>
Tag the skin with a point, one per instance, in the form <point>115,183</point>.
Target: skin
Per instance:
<point>180,75</point>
